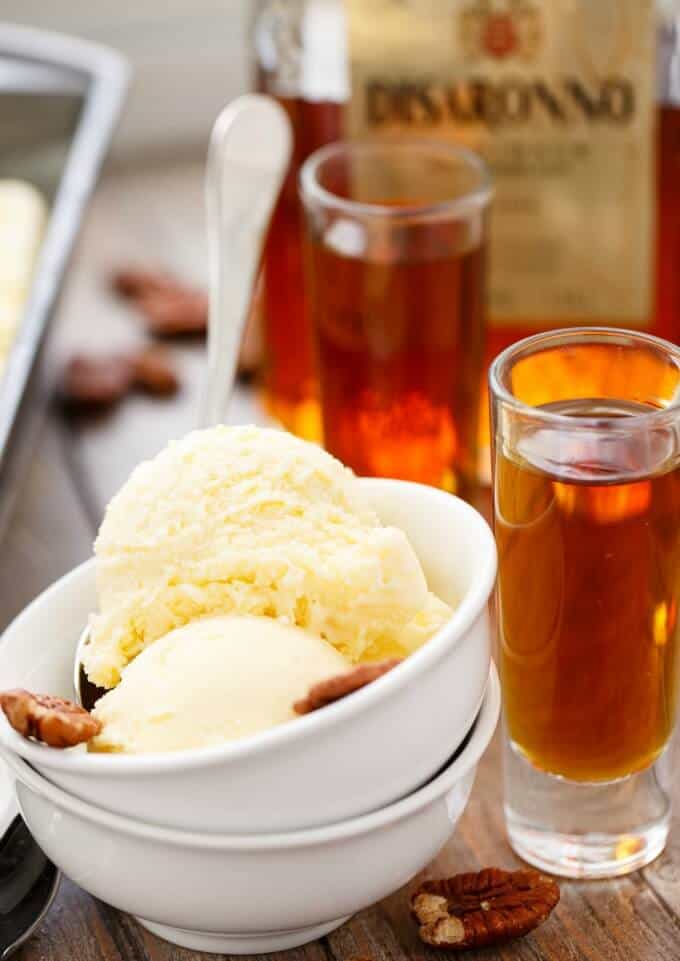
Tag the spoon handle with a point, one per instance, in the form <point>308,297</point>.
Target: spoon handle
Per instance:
<point>248,157</point>
<point>21,864</point>
<point>28,881</point>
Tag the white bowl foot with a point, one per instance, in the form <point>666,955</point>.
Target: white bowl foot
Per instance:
<point>240,943</point>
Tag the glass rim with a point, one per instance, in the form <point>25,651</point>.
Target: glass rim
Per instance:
<point>476,198</point>
<point>561,337</point>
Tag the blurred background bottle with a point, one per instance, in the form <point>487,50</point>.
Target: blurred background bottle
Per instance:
<point>575,104</point>
<point>301,59</point>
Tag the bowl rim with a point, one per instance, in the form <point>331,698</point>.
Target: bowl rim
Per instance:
<point>448,636</point>
<point>459,767</point>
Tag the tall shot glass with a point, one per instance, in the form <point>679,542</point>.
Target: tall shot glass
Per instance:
<point>586,462</point>
<point>396,245</point>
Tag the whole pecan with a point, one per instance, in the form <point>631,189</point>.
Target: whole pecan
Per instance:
<point>170,307</point>
<point>154,371</point>
<point>175,313</point>
<point>478,909</point>
<point>135,282</point>
<point>334,688</point>
<point>96,381</point>
<point>53,720</point>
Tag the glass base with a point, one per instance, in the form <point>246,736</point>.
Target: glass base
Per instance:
<point>586,855</point>
<point>586,830</point>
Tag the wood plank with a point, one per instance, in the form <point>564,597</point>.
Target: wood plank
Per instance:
<point>78,928</point>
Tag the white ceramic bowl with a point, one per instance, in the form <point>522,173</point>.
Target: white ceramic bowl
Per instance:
<point>249,894</point>
<point>353,757</point>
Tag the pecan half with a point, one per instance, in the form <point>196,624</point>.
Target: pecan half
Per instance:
<point>334,688</point>
<point>175,313</point>
<point>489,907</point>
<point>154,371</point>
<point>95,381</point>
<point>170,307</point>
<point>52,720</point>
<point>135,282</point>
<point>173,308</point>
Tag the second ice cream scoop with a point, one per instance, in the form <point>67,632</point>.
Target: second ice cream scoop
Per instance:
<point>214,680</point>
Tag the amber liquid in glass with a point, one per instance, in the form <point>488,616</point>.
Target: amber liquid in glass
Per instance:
<point>290,381</point>
<point>589,582</point>
<point>400,343</point>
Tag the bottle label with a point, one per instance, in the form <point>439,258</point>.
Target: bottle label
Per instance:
<point>558,95</point>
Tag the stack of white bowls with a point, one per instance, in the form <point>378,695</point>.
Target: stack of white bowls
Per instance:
<point>272,841</point>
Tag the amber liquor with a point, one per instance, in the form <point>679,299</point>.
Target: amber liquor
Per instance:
<point>588,600</point>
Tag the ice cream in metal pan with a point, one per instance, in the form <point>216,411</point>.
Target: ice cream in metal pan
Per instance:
<point>23,215</point>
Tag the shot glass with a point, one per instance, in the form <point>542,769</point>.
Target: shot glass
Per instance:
<point>396,276</point>
<point>586,464</point>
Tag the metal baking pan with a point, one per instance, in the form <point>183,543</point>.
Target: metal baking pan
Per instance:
<point>59,102</point>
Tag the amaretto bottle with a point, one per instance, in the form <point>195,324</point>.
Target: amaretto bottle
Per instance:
<point>574,103</point>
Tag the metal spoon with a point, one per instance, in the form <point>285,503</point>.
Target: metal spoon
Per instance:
<point>28,881</point>
<point>87,693</point>
<point>28,885</point>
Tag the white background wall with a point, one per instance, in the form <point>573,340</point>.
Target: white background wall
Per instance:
<point>189,58</point>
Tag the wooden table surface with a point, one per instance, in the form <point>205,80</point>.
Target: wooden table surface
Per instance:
<point>155,215</point>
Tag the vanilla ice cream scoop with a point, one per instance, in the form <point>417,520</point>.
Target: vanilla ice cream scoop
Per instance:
<point>244,520</point>
<point>214,680</point>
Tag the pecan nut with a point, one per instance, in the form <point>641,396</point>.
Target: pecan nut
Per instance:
<point>154,371</point>
<point>335,688</point>
<point>170,307</point>
<point>175,313</point>
<point>136,282</point>
<point>53,720</point>
<point>96,381</point>
<point>478,909</point>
